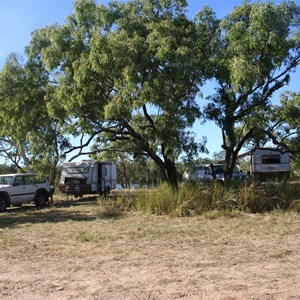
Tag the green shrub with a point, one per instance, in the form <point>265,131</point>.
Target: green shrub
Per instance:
<point>189,199</point>
<point>195,199</point>
<point>223,197</point>
<point>160,201</point>
<point>253,198</point>
<point>295,206</point>
<point>259,197</point>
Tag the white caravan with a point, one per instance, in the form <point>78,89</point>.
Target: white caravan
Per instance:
<point>269,163</point>
<point>88,177</point>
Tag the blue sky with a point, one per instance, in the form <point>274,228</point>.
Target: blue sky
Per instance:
<point>18,18</point>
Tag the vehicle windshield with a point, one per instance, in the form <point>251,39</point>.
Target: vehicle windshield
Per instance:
<point>218,169</point>
<point>6,180</point>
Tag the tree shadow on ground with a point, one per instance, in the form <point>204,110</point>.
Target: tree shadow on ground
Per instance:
<point>59,211</point>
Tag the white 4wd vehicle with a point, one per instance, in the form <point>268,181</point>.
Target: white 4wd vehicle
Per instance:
<point>16,189</point>
<point>211,172</point>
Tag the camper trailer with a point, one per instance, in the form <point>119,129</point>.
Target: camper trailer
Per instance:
<point>88,177</point>
<point>269,164</point>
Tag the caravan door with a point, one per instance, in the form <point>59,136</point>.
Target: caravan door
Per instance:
<point>103,178</point>
<point>94,178</point>
<point>107,177</point>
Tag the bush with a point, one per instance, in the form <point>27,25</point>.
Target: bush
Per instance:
<point>190,199</point>
<point>160,201</point>
<point>194,199</point>
<point>260,197</point>
<point>295,206</point>
<point>254,198</point>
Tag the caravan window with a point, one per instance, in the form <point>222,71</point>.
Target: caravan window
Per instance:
<point>75,181</point>
<point>77,170</point>
<point>271,159</point>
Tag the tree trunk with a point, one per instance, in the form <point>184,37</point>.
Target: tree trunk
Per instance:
<point>24,157</point>
<point>228,170</point>
<point>171,172</point>
<point>53,172</point>
<point>168,170</point>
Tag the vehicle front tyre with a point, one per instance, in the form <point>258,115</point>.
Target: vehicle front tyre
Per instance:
<point>41,200</point>
<point>2,205</point>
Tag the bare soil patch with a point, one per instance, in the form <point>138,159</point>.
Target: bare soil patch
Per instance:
<point>77,249</point>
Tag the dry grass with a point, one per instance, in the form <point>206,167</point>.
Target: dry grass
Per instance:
<point>78,249</point>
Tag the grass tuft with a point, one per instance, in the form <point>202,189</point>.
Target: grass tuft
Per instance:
<point>193,199</point>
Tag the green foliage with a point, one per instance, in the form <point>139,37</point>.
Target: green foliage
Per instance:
<point>289,117</point>
<point>131,71</point>
<point>256,199</point>
<point>295,206</point>
<point>23,108</point>
<point>30,137</point>
<point>5,169</point>
<point>186,200</point>
<point>258,48</point>
<point>164,200</point>
<point>192,199</point>
<point>28,131</point>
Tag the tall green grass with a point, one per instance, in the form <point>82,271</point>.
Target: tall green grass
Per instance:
<point>193,199</point>
<point>189,199</point>
<point>164,200</point>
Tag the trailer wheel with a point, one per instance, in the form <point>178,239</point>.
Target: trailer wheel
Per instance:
<point>2,205</point>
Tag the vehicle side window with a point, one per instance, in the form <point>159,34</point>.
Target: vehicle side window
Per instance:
<point>6,180</point>
<point>19,180</point>
<point>30,180</point>
<point>40,180</point>
<point>33,180</point>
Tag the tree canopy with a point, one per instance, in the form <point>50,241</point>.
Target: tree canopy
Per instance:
<point>259,47</point>
<point>128,77</point>
<point>131,72</point>
<point>30,137</point>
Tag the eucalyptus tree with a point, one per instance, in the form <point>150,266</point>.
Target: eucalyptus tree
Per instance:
<point>20,109</point>
<point>289,114</point>
<point>29,137</point>
<point>259,47</point>
<point>130,71</point>
<point>286,125</point>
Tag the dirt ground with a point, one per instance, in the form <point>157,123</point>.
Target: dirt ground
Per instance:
<point>78,249</point>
